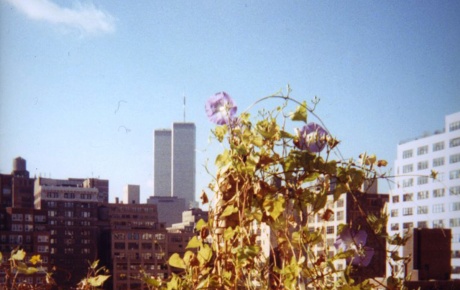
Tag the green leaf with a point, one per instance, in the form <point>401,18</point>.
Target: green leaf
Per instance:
<point>223,159</point>
<point>194,243</point>
<point>300,114</point>
<point>18,255</point>
<point>204,254</point>
<point>229,210</point>
<point>220,132</point>
<point>200,224</point>
<point>274,206</point>
<point>98,280</point>
<point>176,261</point>
<point>94,264</point>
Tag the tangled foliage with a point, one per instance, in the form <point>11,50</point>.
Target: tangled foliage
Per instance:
<point>268,177</point>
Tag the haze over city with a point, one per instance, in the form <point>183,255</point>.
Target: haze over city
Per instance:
<point>83,85</point>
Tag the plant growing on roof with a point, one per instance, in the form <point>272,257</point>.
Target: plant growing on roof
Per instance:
<point>274,177</point>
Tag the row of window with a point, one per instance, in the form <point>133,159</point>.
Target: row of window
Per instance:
<point>436,162</point>
<point>70,195</point>
<point>137,236</point>
<point>425,194</point>
<point>408,182</point>
<point>68,213</point>
<point>438,223</point>
<point>423,209</point>
<point>422,150</point>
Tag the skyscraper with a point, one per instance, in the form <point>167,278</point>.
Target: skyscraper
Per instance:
<point>183,161</point>
<point>174,162</point>
<point>162,163</point>
<point>419,201</point>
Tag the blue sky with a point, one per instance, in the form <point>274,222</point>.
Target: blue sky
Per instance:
<point>83,84</point>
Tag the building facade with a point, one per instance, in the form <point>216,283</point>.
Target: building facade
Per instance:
<point>137,242</point>
<point>352,209</point>
<point>421,201</point>
<point>183,161</point>
<point>162,143</point>
<point>131,194</point>
<point>72,219</point>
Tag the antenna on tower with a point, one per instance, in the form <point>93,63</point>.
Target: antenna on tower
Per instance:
<point>184,107</point>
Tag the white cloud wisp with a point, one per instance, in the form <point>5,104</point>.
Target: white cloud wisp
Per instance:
<point>85,17</point>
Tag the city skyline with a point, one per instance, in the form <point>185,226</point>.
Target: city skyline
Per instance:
<point>81,97</point>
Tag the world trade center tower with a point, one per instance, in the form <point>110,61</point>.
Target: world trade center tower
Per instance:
<point>175,162</point>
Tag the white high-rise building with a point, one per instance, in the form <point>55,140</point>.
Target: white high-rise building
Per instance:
<point>131,194</point>
<point>162,144</point>
<point>174,162</point>
<point>183,161</point>
<point>419,201</point>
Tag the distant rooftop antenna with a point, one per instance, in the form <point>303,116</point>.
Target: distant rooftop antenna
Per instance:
<point>184,107</point>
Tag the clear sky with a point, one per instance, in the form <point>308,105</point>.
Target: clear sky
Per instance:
<point>83,84</point>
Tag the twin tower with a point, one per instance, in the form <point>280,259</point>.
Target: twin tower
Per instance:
<point>174,165</point>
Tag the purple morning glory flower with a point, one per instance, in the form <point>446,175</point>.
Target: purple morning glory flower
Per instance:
<point>356,241</point>
<point>220,108</point>
<point>312,137</point>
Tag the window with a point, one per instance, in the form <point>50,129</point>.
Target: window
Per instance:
<point>394,213</point>
<point>68,204</point>
<point>28,217</point>
<point>422,165</point>
<point>68,213</point>
<point>147,236</point>
<point>437,208</point>
<point>408,225</point>
<point>455,222</point>
<point>438,161</point>
<point>51,204</point>
<point>422,209</point>
<point>16,217</point>
<point>455,206</point>
<point>68,250</point>
<point>408,168</point>
<point>408,182</point>
<point>69,223</point>
<point>454,142</point>
<point>340,203</point>
<point>454,126</point>
<point>454,174</point>
<point>68,233</point>
<point>29,228</point>
<point>423,194</point>
<point>407,211</point>
<point>438,146</point>
<point>422,180</point>
<point>39,218</point>
<point>395,227</point>
<point>422,225</point>
<point>330,230</point>
<point>407,153</point>
<point>422,150</point>
<point>85,214</point>
<point>42,249</point>
<point>439,192</point>
<point>159,237</point>
<point>118,236</point>
<point>42,239</point>
<point>395,198</point>
<point>16,227</point>
<point>52,213</point>
<point>438,224</point>
<point>408,196</point>
<point>454,158</point>
<point>70,195</point>
<point>85,251</point>
<point>340,215</point>
<point>455,190</point>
